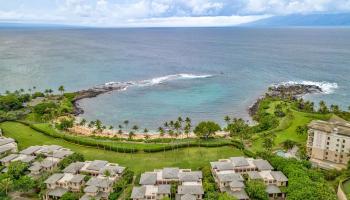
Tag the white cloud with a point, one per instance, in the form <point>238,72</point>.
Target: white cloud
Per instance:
<point>161,12</point>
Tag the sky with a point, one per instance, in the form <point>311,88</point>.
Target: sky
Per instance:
<point>162,13</point>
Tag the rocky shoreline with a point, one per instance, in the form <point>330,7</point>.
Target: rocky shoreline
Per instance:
<point>284,91</point>
<point>94,92</point>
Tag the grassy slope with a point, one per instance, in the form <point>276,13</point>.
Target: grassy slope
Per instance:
<point>288,125</point>
<point>346,186</point>
<point>139,162</point>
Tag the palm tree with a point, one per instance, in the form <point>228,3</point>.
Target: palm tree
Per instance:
<point>131,135</point>
<point>61,89</point>
<point>227,119</point>
<point>135,128</point>
<point>82,122</point>
<point>111,127</point>
<point>145,130</point>
<point>166,125</point>
<point>188,120</point>
<point>126,122</point>
<point>120,131</point>
<point>120,126</point>
<point>177,127</point>
<point>6,184</point>
<point>147,136</point>
<point>161,131</point>
<point>98,125</point>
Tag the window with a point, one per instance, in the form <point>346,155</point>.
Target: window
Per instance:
<point>327,143</point>
<point>343,141</point>
<point>326,153</point>
<point>342,146</point>
<point>328,138</point>
<point>337,140</point>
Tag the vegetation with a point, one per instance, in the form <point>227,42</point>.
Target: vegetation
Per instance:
<point>304,182</point>
<point>206,129</point>
<point>256,190</point>
<point>193,158</point>
<point>119,189</point>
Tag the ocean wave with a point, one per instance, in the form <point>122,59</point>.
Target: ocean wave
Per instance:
<point>327,87</point>
<point>173,77</point>
<point>156,81</point>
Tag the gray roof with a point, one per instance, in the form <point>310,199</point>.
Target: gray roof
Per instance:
<point>96,165</point>
<point>138,192</point>
<point>237,184</point>
<point>230,177</point>
<point>222,166</point>
<point>91,189</point>
<point>9,158</point>
<point>54,178</point>
<point>77,178</point>
<point>272,189</point>
<point>99,182</point>
<point>254,175</point>
<point>35,167</point>
<point>279,176</point>
<point>4,149</point>
<point>164,189</point>
<point>30,150</point>
<point>61,153</point>
<point>170,173</point>
<point>240,195</point>
<point>239,161</point>
<point>47,163</point>
<point>28,159</point>
<point>49,148</point>
<point>148,178</point>
<point>4,141</point>
<point>57,192</point>
<point>262,165</point>
<point>88,197</point>
<point>74,167</point>
<point>190,189</point>
<point>188,197</point>
<point>113,169</point>
<point>190,176</point>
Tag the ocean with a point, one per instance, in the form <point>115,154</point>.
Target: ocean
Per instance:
<point>201,73</point>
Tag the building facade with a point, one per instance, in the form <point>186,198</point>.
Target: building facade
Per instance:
<point>328,143</point>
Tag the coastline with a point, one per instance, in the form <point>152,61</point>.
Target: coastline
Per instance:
<point>285,91</point>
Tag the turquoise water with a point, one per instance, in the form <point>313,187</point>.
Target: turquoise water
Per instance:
<point>242,63</point>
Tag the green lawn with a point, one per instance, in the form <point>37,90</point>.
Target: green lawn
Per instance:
<point>287,126</point>
<point>187,158</point>
<point>346,187</point>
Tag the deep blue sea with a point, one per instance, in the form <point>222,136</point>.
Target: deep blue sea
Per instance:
<point>213,71</point>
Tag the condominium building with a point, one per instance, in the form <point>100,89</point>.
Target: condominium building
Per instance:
<point>157,184</point>
<point>103,176</point>
<point>7,145</point>
<point>228,174</point>
<point>40,158</point>
<point>328,143</point>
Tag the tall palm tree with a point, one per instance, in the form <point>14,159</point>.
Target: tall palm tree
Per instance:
<point>131,135</point>
<point>135,128</point>
<point>161,131</point>
<point>227,119</point>
<point>126,122</point>
<point>61,89</point>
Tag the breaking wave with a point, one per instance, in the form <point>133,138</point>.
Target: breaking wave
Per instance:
<point>326,87</point>
<point>156,81</point>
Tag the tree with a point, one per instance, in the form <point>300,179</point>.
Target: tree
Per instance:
<point>268,143</point>
<point>238,127</point>
<point>323,107</point>
<point>225,196</point>
<point>65,124</point>
<point>135,128</point>
<point>256,190</point>
<point>70,196</point>
<point>126,122</point>
<point>145,130</point>
<point>82,122</point>
<point>301,130</point>
<point>17,169</point>
<point>161,131</point>
<point>61,89</point>
<point>25,184</point>
<point>335,108</point>
<point>98,125</point>
<point>227,119</point>
<point>75,157</point>
<point>206,129</point>
<point>131,135</point>
<point>5,185</point>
